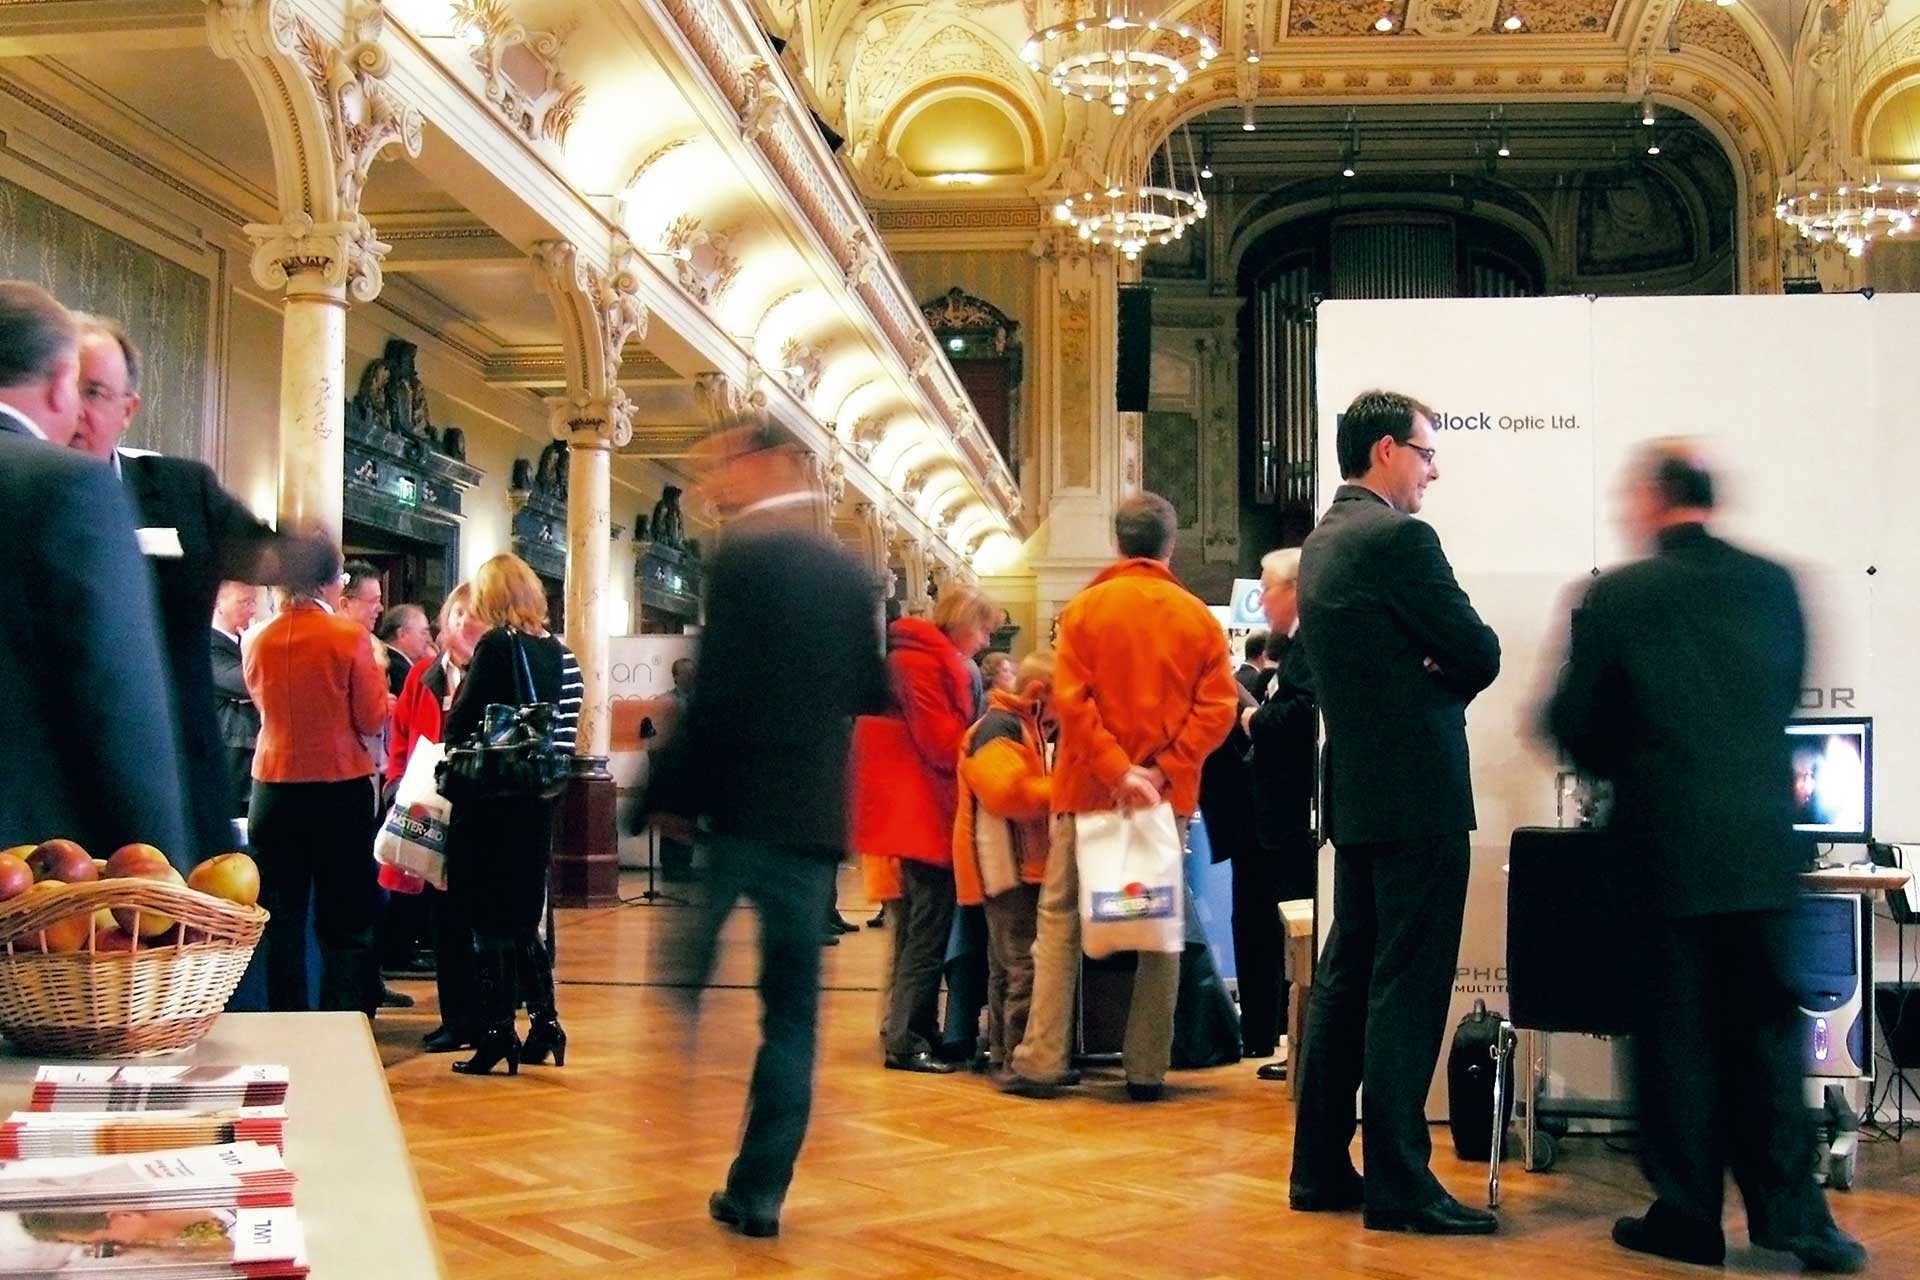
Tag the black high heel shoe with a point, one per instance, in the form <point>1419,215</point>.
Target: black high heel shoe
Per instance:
<point>494,1044</point>
<point>544,1037</point>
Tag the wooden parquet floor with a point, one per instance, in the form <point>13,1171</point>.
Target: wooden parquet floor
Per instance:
<point>602,1168</point>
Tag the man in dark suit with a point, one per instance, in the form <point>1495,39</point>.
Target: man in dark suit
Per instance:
<point>1284,731</point>
<point>1397,652</point>
<point>765,763</point>
<point>237,717</point>
<point>1682,672</point>
<point>194,534</point>
<point>1257,671</point>
<point>88,752</point>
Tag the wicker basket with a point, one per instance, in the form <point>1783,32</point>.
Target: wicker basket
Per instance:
<point>159,997</point>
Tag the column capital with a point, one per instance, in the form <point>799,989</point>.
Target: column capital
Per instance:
<point>590,421</point>
<point>599,311</point>
<point>329,115</point>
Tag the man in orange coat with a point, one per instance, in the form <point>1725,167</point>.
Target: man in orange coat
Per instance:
<point>1143,691</point>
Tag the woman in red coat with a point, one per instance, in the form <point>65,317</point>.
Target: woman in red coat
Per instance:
<point>904,797</point>
<point>424,700</point>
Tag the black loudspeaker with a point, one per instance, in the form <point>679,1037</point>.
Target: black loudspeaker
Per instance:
<point>1134,367</point>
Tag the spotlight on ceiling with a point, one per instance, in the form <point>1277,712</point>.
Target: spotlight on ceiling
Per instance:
<point>1246,116</point>
<point>1646,110</point>
<point>1514,22</point>
<point>1384,23</point>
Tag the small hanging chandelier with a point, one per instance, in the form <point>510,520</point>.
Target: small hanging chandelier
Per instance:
<point>1157,211</point>
<point>1828,203</point>
<point>1117,56</point>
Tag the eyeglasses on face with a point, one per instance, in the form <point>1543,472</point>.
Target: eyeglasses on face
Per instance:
<point>1426,454</point>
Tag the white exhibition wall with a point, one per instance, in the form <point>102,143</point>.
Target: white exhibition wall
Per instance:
<point>640,670</point>
<point>1803,405</point>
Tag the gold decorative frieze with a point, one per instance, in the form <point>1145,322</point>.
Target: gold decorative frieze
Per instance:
<point>521,71</point>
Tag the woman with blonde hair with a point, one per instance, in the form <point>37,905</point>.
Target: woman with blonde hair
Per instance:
<point>498,847</point>
<point>904,799</point>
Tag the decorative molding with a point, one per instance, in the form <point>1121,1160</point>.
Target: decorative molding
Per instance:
<point>1019,217</point>
<point>329,115</point>
<point>762,98</point>
<point>598,310</point>
<point>521,70</point>
<point>709,268</point>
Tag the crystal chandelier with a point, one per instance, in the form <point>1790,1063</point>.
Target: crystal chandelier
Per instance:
<point>1827,203</point>
<point>1117,56</point>
<point>1157,211</point>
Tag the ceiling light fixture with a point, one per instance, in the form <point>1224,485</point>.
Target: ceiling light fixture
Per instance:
<point>1122,59</point>
<point>1246,116</point>
<point>1384,23</point>
<point>1646,110</point>
<point>681,254</point>
<point>1514,22</point>
<point>1156,211</point>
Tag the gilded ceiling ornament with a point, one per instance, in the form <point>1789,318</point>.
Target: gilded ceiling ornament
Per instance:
<point>708,268</point>
<point>521,70</point>
<point>762,98</point>
<point>363,115</point>
<point>1451,17</point>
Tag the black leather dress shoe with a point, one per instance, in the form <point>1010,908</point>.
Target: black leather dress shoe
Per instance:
<point>922,1062</point>
<point>1271,1070</point>
<point>726,1211</point>
<point>1829,1249</point>
<point>1344,1197</point>
<point>445,1039</point>
<point>1668,1235</point>
<point>1444,1217</point>
<point>1146,1092</point>
<point>840,924</point>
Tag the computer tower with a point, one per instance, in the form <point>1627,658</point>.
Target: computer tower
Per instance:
<point>1827,979</point>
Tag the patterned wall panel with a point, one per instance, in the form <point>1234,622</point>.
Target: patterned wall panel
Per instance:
<point>163,305</point>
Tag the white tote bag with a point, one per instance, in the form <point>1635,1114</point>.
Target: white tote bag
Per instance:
<point>1130,885</point>
<point>414,835</point>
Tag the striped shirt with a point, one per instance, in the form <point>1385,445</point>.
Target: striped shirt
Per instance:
<point>566,708</point>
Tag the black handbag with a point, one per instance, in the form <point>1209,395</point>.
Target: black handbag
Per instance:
<point>511,755</point>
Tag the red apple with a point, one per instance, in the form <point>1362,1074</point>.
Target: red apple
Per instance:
<point>62,860</point>
<point>16,877</point>
<point>232,876</point>
<point>136,860</point>
<point>112,940</point>
<point>151,924</point>
<point>68,934</point>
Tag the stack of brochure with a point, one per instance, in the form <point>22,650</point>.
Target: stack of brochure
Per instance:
<point>30,1134</point>
<point>209,1088</point>
<point>150,1173</point>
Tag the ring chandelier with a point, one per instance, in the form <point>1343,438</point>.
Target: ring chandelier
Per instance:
<point>1157,211</point>
<point>1836,208</point>
<point>1117,56</point>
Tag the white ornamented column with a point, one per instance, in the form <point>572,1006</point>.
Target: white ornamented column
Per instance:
<point>329,114</point>
<point>598,310</point>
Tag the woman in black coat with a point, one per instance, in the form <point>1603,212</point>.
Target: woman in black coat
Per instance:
<point>498,848</point>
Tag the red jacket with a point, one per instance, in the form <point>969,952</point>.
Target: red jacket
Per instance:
<point>902,774</point>
<point>416,716</point>
<point>1140,677</point>
<point>320,692</point>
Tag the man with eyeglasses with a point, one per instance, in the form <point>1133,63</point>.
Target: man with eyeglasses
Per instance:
<point>193,534</point>
<point>1397,653</point>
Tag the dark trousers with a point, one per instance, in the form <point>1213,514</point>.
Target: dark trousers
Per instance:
<point>920,931</point>
<point>1259,949</point>
<point>790,887</point>
<point>1012,920</point>
<point>968,981</point>
<point>239,780</point>
<point>314,842</point>
<point>1379,1012</point>
<point>1717,1073</point>
<point>453,974</point>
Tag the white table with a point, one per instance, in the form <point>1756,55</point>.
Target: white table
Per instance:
<point>357,1195</point>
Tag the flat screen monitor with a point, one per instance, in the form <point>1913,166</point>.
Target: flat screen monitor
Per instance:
<point>1832,778</point>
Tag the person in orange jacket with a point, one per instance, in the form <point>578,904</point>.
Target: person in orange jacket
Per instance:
<point>1144,692</point>
<point>1000,840</point>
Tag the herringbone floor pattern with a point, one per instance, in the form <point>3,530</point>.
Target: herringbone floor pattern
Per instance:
<point>602,1168</point>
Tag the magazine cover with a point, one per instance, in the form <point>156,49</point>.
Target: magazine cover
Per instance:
<point>243,1172</point>
<point>217,1241</point>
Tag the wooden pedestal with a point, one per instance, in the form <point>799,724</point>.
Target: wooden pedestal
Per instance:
<point>586,866</point>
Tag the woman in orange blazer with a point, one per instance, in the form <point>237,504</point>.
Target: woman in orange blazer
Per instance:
<point>312,674</point>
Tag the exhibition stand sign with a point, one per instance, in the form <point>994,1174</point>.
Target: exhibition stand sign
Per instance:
<point>1800,403</point>
<point>643,714</point>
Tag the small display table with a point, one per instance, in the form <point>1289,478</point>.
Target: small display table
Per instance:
<point>358,1199</point>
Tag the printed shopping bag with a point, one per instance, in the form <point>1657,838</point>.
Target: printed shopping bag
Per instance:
<point>414,835</point>
<point>1130,884</point>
